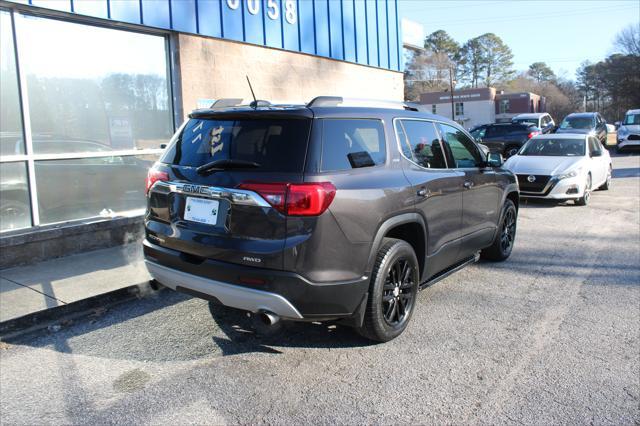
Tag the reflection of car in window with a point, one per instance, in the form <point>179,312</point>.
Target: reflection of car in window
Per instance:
<point>84,193</point>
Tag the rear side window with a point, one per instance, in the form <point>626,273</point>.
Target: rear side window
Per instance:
<point>352,144</point>
<point>277,145</point>
<point>421,143</point>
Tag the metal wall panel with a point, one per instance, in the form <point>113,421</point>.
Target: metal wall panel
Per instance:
<point>348,30</point>
<point>321,15</point>
<point>252,14</point>
<point>183,16</point>
<point>335,29</point>
<point>209,17</point>
<point>156,13</point>
<point>271,16</point>
<point>362,31</point>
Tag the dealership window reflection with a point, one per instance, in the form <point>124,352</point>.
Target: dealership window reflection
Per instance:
<point>94,85</point>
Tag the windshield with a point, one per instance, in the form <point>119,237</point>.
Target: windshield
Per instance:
<point>532,121</point>
<point>275,144</point>
<point>632,119</point>
<point>577,123</point>
<point>554,147</point>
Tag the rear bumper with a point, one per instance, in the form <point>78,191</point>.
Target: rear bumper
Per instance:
<point>286,294</point>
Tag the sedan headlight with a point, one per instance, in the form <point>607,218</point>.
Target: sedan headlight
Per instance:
<point>572,173</point>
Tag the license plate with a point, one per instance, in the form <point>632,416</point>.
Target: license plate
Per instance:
<point>201,210</point>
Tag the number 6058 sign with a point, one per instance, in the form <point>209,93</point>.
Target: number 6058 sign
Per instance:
<point>273,8</point>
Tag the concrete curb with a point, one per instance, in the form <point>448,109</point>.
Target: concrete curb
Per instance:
<point>14,328</point>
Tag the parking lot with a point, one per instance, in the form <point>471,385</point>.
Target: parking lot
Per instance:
<point>550,336</point>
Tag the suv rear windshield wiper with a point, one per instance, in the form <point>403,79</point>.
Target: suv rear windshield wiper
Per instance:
<point>218,165</point>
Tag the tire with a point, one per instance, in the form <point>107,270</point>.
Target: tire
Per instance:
<point>607,183</point>
<point>393,291</point>
<point>505,238</point>
<point>584,200</point>
<point>511,150</point>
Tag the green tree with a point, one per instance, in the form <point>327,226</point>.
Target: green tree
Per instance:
<point>497,59</point>
<point>472,63</point>
<point>540,72</point>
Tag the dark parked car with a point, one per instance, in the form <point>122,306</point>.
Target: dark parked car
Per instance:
<point>541,120</point>
<point>585,123</point>
<point>504,138</point>
<point>322,212</point>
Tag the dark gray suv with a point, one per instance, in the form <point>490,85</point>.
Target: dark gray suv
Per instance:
<point>324,211</point>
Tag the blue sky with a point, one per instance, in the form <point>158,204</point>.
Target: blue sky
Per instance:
<point>562,33</point>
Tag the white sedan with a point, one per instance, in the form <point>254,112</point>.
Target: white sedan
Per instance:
<point>561,167</point>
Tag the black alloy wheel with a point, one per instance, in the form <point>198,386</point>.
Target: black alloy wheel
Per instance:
<point>508,231</point>
<point>398,293</point>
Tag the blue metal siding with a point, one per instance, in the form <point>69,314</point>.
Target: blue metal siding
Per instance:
<point>156,13</point>
<point>209,18</point>
<point>362,31</point>
<point>348,30</point>
<point>335,29</point>
<point>271,13</point>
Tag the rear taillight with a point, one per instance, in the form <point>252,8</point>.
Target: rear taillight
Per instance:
<point>153,176</point>
<point>295,199</point>
<point>534,133</point>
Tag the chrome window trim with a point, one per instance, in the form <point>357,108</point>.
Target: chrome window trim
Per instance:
<point>236,196</point>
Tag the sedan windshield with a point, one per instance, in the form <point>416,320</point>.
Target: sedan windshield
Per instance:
<point>632,119</point>
<point>554,148</point>
<point>577,123</point>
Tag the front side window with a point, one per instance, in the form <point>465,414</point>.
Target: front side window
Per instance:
<point>479,132</point>
<point>594,146</point>
<point>464,152</point>
<point>421,144</point>
<point>352,144</point>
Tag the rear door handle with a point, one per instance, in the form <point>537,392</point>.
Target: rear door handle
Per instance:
<point>468,184</point>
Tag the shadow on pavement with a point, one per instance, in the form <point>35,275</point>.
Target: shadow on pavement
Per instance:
<point>171,326</point>
<point>626,173</point>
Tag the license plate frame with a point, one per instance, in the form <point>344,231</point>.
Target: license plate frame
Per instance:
<point>202,210</point>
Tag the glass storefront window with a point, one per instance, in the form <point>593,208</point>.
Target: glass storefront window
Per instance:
<point>89,187</point>
<point>93,88</point>
<point>15,212</point>
<point>11,137</point>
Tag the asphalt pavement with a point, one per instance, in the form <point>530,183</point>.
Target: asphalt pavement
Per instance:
<point>550,336</point>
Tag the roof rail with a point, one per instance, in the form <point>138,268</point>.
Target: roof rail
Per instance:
<point>333,101</point>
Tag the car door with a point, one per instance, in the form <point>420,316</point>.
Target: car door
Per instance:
<point>494,138</point>
<point>481,196</point>
<point>438,190</point>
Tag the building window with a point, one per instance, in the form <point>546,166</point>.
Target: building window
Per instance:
<point>98,107</point>
<point>434,109</point>
<point>459,109</point>
<point>504,106</point>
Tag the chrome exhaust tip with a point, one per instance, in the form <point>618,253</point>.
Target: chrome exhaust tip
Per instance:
<point>269,318</point>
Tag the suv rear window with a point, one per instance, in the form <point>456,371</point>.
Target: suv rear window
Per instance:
<point>278,145</point>
<point>350,144</point>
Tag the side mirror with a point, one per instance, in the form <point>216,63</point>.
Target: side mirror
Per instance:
<point>596,154</point>
<point>163,145</point>
<point>617,124</point>
<point>494,159</point>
